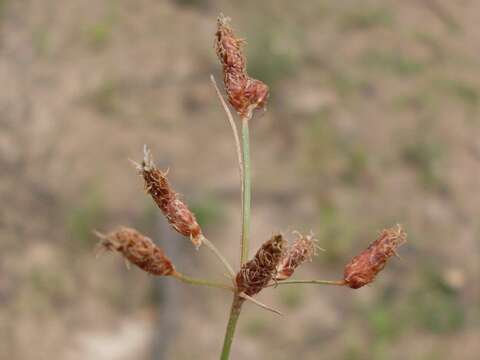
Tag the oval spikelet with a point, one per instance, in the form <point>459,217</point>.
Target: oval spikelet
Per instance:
<point>257,273</point>
<point>176,211</point>
<point>363,268</point>
<point>138,250</point>
<point>244,93</point>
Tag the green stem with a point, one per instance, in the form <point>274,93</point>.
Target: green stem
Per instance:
<point>246,200</point>
<point>318,282</point>
<point>247,191</point>
<point>232,324</point>
<point>189,280</point>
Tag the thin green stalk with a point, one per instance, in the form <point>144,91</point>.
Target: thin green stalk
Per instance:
<point>247,191</point>
<point>232,324</point>
<point>318,282</point>
<point>246,200</point>
<point>231,121</point>
<point>189,280</point>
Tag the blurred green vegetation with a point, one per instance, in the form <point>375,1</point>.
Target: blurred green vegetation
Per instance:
<point>364,18</point>
<point>432,42</point>
<point>148,217</point>
<point>346,82</point>
<point>392,61</point>
<point>86,216</point>
<point>98,34</point>
<point>271,55</point>
<point>2,8</point>
<point>49,287</point>
<point>430,306</point>
<point>466,92</point>
<point>336,233</point>
<point>199,4</point>
<point>331,156</point>
<point>105,97</point>
<point>208,211</point>
<point>254,326</point>
<point>434,305</point>
<point>426,155</point>
<point>420,100</point>
<point>41,39</point>
<point>292,297</point>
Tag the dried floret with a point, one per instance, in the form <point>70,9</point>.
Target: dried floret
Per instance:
<point>138,250</point>
<point>364,267</point>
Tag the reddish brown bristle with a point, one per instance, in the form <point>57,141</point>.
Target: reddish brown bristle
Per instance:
<point>303,249</point>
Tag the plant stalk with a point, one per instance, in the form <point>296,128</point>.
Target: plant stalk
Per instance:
<point>231,121</point>
<point>246,191</point>
<point>317,282</point>
<point>194,281</point>
<point>246,201</point>
<point>231,326</point>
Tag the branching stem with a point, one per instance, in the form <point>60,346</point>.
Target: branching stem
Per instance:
<point>260,304</point>
<point>189,280</point>
<point>231,326</point>
<point>246,199</point>
<point>246,191</point>
<point>317,282</point>
<point>231,121</point>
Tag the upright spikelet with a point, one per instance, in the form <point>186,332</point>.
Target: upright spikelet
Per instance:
<point>303,249</point>
<point>139,250</point>
<point>245,94</point>
<point>257,273</point>
<point>364,267</point>
<point>177,213</point>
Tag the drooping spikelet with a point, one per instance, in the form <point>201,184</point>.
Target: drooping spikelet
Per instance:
<point>139,250</point>
<point>255,274</point>
<point>177,213</point>
<point>245,94</point>
<point>364,267</point>
<point>303,249</point>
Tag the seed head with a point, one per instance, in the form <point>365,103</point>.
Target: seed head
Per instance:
<point>245,94</point>
<point>255,274</point>
<point>139,250</point>
<point>364,267</point>
<point>303,249</point>
<point>176,211</point>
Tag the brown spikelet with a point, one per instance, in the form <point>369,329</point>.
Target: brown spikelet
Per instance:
<point>177,213</point>
<point>139,250</point>
<point>303,249</point>
<point>257,273</point>
<point>245,94</point>
<point>364,267</point>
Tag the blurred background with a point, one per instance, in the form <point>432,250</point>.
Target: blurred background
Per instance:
<point>373,120</point>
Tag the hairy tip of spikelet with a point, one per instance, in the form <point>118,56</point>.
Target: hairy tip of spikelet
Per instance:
<point>176,211</point>
<point>303,249</point>
<point>138,250</point>
<point>244,93</point>
<point>364,267</point>
<point>255,274</point>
